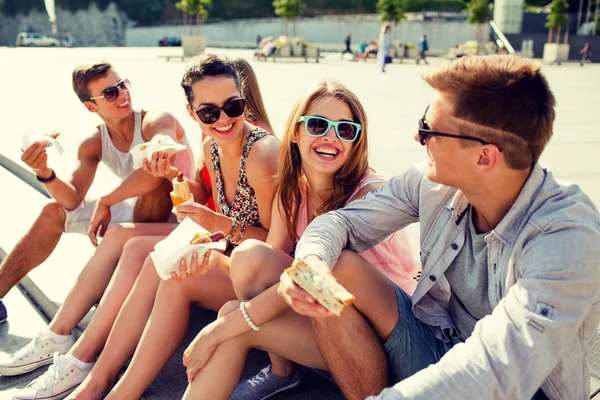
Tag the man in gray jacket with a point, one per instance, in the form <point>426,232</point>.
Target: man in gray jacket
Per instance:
<point>507,303</point>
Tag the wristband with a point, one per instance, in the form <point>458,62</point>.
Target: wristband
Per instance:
<point>48,179</point>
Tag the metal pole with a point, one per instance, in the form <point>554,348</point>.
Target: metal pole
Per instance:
<point>579,15</point>
<point>596,17</point>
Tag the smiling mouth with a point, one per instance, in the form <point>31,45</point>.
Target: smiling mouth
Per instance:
<point>123,104</point>
<point>223,128</point>
<point>327,152</point>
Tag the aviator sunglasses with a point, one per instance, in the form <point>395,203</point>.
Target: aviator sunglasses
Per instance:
<point>319,126</point>
<point>111,93</point>
<point>425,132</point>
<point>210,114</point>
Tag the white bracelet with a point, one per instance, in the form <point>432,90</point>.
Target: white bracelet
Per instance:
<point>246,317</point>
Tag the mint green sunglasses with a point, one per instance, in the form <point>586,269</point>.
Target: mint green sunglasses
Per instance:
<point>319,126</point>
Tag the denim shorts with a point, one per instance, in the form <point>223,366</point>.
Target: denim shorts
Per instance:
<point>411,346</point>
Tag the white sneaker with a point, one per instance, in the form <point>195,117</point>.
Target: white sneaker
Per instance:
<point>58,382</point>
<point>35,354</point>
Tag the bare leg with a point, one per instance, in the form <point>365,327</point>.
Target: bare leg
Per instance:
<point>95,276</point>
<point>124,336</point>
<point>361,372</point>
<point>167,326</point>
<point>255,267</point>
<point>34,248</point>
<point>289,335</point>
<point>135,252</point>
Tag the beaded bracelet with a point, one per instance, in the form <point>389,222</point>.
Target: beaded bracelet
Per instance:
<point>246,317</point>
<point>234,225</point>
<point>241,235</point>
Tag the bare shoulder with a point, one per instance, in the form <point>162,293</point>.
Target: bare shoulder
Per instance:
<point>367,189</point>
<point>154,122</point>
<point>263,159</point>
<point>91,145</point>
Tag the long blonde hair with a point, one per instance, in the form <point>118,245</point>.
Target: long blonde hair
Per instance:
<point>289,179</point>
<point>255,107</point>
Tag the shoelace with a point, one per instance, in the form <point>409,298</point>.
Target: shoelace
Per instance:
<point>30,347</point>
<point>257,379</point>
<point>50,377</point>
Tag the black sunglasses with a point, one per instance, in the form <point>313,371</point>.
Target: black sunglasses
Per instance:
<point>425,131</point>
<point>111,93</point>
<point>210,114</point>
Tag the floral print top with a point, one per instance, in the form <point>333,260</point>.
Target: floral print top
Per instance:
<point>244,207</point>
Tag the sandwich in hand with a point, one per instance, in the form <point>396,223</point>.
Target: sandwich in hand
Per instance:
<point>181,190</point>
<point>325,289</point>
<point>207,237</point>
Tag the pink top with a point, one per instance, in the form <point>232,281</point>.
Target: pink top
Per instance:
<point>393,257</point>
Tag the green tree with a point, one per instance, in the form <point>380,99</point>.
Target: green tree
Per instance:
<point>479,14</point>
<point>558,18</point>
<point>391,11</point>
<point>287,9</point>
<point>199,8</point>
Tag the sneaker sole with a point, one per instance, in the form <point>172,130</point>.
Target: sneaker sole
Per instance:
<point>55,397</point>
<point>20,370</point>
<point>293,385</point>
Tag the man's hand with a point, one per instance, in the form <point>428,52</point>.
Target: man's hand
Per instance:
<point>100,220</point>
<point>297,298</point>
<point>160,166</point>
<point>36,158</point>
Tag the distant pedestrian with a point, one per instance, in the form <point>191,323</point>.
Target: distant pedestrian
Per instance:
<point>586,53</point>
<point>384,53</point>
<point>348,41</point>
<point>258,40</point>
<point>423,46</point>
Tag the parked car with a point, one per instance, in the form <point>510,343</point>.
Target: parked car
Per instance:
<point>35,40</point>
<point>169,41</point>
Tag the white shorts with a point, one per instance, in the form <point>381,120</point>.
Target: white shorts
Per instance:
<point>78,220</point>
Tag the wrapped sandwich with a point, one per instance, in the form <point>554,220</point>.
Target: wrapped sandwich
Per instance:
<point>325,289</point>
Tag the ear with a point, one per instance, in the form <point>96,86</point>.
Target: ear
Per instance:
<point>192,112</point>
<point>294,138</point>
<point>91,106</point>
<point>489,157</point>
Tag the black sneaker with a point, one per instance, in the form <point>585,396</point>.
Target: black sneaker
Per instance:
<point>3,312</point>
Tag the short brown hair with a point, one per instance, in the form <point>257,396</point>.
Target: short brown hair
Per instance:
<point>504,100</point>
<point>84,74</point>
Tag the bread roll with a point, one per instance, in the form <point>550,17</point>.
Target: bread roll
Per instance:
<point>324,289</point>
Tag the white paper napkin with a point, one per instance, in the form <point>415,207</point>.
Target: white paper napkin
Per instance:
<point>169,251</point>
<point>158,143</point>
<point>28,138</point>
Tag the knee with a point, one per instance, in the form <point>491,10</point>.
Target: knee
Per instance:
<point>135,254</point>
<point>53,214</point>
<point>349,268</point>
<point>245,264</point>
<point>115,233</point>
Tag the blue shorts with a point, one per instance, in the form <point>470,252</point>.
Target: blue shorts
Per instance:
<point>411,346</point>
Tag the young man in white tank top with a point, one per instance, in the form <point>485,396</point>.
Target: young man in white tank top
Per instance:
<point>104,92</point>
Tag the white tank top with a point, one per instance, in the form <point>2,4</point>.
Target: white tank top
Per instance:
<point>120,163</point>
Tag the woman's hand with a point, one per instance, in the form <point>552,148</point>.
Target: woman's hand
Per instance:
<point>160,166</point>
<point>196,267</point>
<point>199,351</point>
<point>200,214</point>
